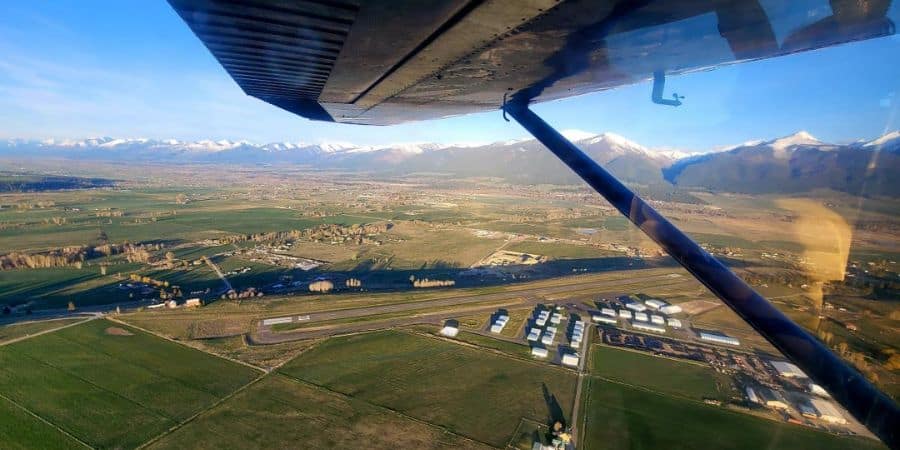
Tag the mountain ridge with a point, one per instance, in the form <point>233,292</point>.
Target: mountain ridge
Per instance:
<point>792,163</point>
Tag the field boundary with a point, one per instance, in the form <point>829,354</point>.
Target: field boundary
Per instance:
<point>35,415</point>
<point>385,408</point>
<point>215,404</point>
<point>39,333</point>
<point>162,336</point>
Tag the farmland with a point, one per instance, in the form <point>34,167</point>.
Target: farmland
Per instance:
<point>279,412</point>
<point>656,373</point>
<point>623,417</point>
<point>438,382</point>
<point>128,386</point>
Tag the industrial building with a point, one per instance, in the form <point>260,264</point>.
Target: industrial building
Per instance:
<point>539,352</point>
<point>827,411</point>
<point>648,327</point>
<point>670,309</point>
<point>641,317</point>
<point>787,370</point>
<point>772,399</point>
<point>624,313</point>
<point>657,319</point>
<point>635,306</point>
<point>719,338</point>
<point>542,318</point>
<point>674,323</point>
<point>534,334</point>
<point>608,312</point>
<point>570,359</point>
<point>556,318</point>
<point>655,304</point>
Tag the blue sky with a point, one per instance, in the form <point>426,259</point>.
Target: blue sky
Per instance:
<point>75,69</point>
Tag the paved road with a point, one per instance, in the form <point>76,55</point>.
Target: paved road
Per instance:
<point>218,271</point>
<point>520,298</point>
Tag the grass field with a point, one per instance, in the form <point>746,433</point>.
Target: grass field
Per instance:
<point>656,373</point>
<point>279,412</point>
<point>17,330</point>
<point>473,393</point>
<point>621,417</point>
<point>20,430</point>
<point>113,386</point>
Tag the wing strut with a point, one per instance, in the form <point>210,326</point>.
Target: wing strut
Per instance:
<point>850,388</point>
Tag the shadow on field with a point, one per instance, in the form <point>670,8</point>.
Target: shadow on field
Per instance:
<point>287,281</point>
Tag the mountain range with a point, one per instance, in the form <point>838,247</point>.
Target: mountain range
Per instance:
<point>794,163</point>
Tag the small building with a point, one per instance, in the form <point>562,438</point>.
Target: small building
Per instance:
<point>605,319</point>
<point>192,303</point>
<point>635,306</point>
<point>655,304</point>
<point>556,318</point>
<point>534,334</point>
<point>648,327</point>
<point>497,327</point>
<point>818,390</point>
<point>570,359</point>
<point>171,304</point>
<point>549,336</point>
<point>827,411</point>
<point>450,330</point>
<point>539,352</point>
<point>787,370</point>
<point>751,395</point>
<point>719,338</point>
<point>773,399</point>
<point>807,410</point>
<point>156,306</point>
<point>641,317</point>
<point>624,313</point>
<point>670,309</point>
<point>657,319</point>
<point>608,312</point>
<point>674,323</point>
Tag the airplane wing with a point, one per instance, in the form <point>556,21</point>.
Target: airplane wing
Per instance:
<point>385,62</point>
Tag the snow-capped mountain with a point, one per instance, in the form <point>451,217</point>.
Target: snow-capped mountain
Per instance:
<point>795,163</point>
<point>786,164</point>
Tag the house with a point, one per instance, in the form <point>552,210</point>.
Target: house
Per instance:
<point>539,352</point>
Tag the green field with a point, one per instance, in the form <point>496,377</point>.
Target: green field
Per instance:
<point>279,412</point>
<point>17,330</point>
<point>621,417</point>
<point>113,386</point>
<point>20,430</point>
<point>656,373</point>
<point>473,393</point>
